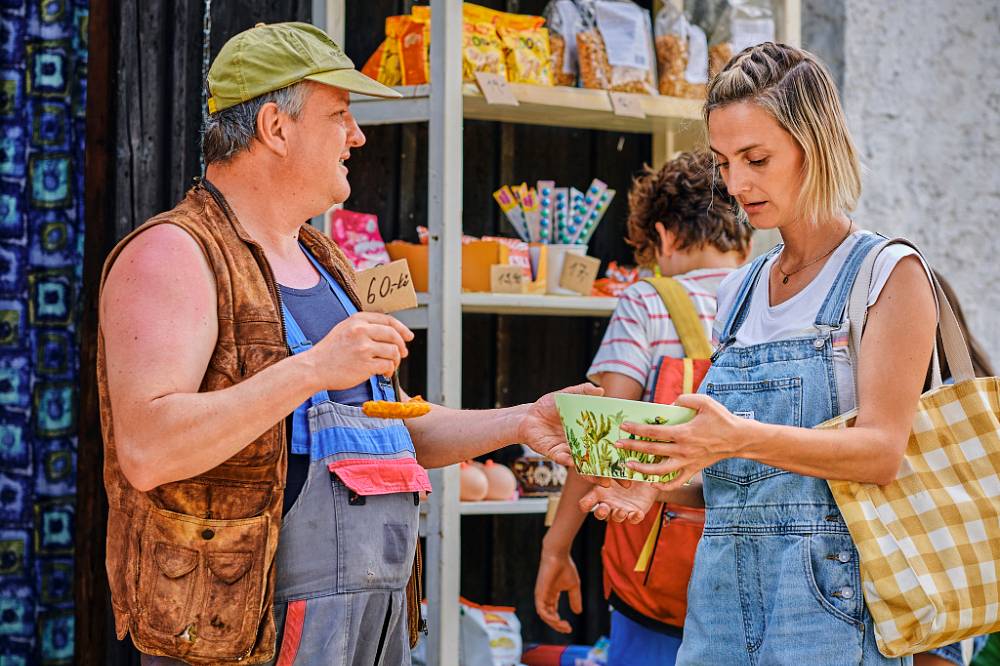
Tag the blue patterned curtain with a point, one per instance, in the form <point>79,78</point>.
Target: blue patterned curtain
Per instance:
<point>43,72</point>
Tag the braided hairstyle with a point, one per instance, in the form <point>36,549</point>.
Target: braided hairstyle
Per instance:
<point>682,195</point>
<point>796,89</point>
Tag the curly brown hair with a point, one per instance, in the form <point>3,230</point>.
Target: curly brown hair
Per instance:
<point>684,195</point>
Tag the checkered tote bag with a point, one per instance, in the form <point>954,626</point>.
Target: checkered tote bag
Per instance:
<point>930,541</point>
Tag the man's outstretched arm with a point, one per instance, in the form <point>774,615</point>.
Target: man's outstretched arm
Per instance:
<point>447,436</point>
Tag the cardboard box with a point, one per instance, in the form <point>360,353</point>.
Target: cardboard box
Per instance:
<point>477,257</point>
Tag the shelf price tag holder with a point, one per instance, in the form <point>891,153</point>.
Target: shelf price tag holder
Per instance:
<point>626,104</point>
<point>495,89</point>
<point>579,273</point>
<point>387,288</point>
<point>507,279</point>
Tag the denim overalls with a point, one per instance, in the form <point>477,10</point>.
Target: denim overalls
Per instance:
<point>776,577</point>
<point>346,546</point>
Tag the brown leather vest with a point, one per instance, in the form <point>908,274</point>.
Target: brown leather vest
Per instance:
<point>191,563</point>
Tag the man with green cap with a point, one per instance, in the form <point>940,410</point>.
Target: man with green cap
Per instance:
<point>255,513</point>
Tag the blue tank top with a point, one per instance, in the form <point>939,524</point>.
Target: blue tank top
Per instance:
<point>317,310</point>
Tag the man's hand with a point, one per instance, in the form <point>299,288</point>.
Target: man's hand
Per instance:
<point>557,574</point>
<point>362,346</point>
<point>620,504</point>
<point>542,430</point>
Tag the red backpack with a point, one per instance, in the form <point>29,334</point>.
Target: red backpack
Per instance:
<point>647,566</point>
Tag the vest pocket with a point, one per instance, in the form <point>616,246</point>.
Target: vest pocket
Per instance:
<point>201,585</point>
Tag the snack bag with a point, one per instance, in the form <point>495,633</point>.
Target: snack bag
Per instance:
<point>384,65</point>
<point>490,635</point>
<point>526,46</point>
<point>358,236</point>
<point>681,54</point>
<point>516,251</point>
<point>615,47</point>
<point>482,50</point>
<point>564,21</point>
<point>409,36</point>
<point>744,23</point>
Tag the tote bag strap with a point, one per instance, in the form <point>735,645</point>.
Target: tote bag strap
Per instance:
<point>956,351</point>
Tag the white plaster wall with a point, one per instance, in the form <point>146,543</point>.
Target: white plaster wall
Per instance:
<point>921,88</point>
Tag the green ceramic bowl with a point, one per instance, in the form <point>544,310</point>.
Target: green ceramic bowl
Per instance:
<point>593,425</point>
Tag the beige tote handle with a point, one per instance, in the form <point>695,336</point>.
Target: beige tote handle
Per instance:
<point>956,351</point>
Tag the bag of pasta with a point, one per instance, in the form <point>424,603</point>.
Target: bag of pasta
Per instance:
<point>564,20</point>
<point>681,54</point>
<point>615,47</point>
<point>482,50</point>
<point>526,47</point>
<point>744,23</point>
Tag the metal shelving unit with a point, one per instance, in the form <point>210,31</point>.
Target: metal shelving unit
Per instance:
<point>675,125</point>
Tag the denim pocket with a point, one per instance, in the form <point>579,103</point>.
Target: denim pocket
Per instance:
<point>376,539</point>
<point>833,576</point>
<point>777,400</point>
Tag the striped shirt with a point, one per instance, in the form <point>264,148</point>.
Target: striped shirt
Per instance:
<point>641,333</point>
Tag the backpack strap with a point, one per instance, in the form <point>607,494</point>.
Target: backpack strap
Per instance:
<point>684,317</point>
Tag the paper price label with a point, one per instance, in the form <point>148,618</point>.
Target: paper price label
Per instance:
<point>627,104</point>
<point>495,89</point>
<point>506,279</point>
<point>387,288</point>
<point>579,273</point>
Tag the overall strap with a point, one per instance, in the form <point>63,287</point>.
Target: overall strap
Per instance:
<point>684,316</point>
<point>298,343</point>
<point>831,313</point>
<point>741,305</point>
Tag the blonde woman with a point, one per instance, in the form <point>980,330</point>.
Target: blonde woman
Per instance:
<point>776,579</point>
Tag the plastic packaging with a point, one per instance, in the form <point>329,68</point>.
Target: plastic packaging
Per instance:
<point>615,47</point>
<point>490,635</point>
<point>358,236</point>
<point>744,23</point>
<point>482,50</point>
<point>526,48</point>
<point>564,21</point>
<point>410,36</point>
<point>681,54</point>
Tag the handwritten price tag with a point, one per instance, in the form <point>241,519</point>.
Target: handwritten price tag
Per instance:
<point>579,273</point>
<point>626,104</point>
<point>387,288</point>
<point>506,279</point>
<point>495,89</point>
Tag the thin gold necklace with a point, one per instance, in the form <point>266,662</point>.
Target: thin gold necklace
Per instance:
<point>785,276</point>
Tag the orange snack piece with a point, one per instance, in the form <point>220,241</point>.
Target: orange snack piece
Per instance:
<point>384,409</point>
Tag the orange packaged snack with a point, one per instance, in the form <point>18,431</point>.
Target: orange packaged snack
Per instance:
<point>410,35</point>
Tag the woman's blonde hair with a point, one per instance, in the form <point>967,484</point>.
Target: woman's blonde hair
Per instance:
<point>796,89</point>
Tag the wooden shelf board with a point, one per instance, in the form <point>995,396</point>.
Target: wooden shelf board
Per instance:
<point>523,505</point>
<point>539,105</point>
<point>532,304</point>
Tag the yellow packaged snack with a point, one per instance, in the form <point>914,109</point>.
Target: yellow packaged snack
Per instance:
<point>526,47</point>
<point>482,50</point>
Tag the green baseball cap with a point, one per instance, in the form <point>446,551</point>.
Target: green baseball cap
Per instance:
<point>268,57</point>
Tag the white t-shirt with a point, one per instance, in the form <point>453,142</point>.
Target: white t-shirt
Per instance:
<point>641,333</point>
<point>795,318</point>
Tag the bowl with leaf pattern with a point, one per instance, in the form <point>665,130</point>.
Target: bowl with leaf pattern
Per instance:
<point>593,425</point>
